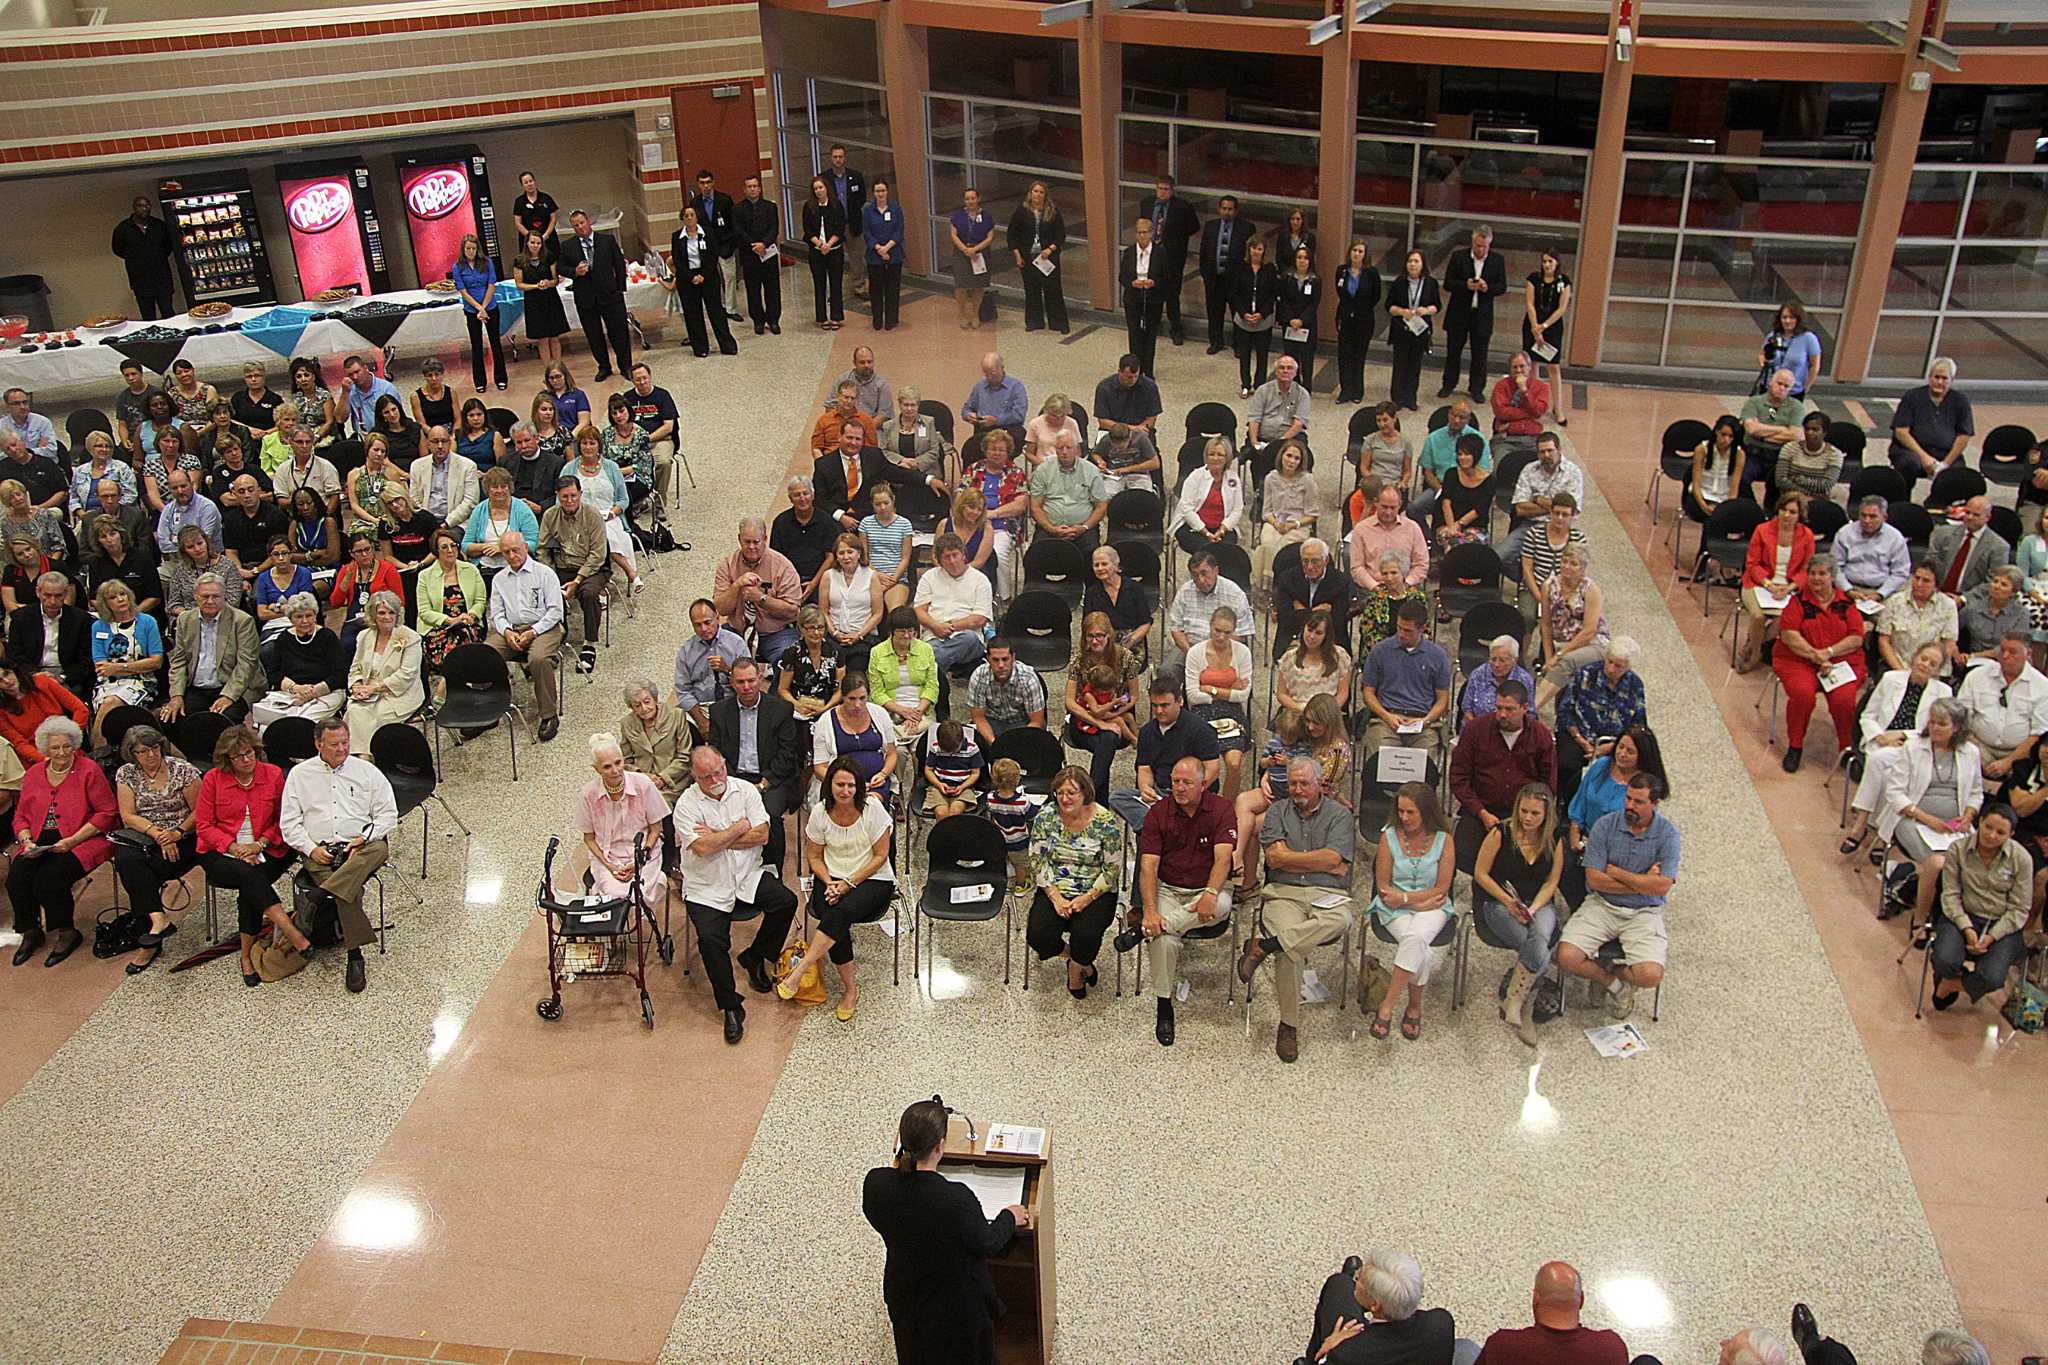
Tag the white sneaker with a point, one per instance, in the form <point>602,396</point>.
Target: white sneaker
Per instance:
<point>1621,999</point>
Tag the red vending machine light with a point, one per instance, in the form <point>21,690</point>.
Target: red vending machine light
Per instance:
<point>331,219</point>
<point>447,194</point>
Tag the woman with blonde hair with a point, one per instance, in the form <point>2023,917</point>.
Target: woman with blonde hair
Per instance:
<point>476,282</point>
<point>127,651</point>
<point>1042,433</point>
<point>1038,236</point>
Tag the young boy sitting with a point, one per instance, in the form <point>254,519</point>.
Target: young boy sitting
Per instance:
<point>952,768</point>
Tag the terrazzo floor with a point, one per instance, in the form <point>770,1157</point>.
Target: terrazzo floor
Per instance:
<point>430,1161</point>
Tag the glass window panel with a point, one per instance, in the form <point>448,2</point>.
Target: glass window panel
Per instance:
<point>1997,348</point>
<point>1651,192</point>
<point>1519,245</point>
<point>1901,350</point>
<point>1480,182</point>
<point>1723,338</point>
<point>2009,204</point>
<point>1027,137</point>
<point>1002,191</point>
<point>1642,265</point>
<point>1918,274</point>
<point>1385,173</point>
<point>949,181</point>
<point>1144,149</point>
<point>851,112</point>
<point>2001,279</point>
<point>1635,331</point>
<point>1386,239</point>
<point>1270,165</point>
<point>1764,270</point>
<point>1807,199</point>
<point>1934,203</point>
<point>947,121</point>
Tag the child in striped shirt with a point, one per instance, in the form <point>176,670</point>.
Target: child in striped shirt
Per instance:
<point>952,767</point>
<point>888,538</point>
<point>1007,807</point>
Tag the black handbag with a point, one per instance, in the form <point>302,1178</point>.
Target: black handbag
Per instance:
<point>117,930</point>
<point>988,306</point>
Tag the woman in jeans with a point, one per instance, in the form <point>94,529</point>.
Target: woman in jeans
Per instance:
<point>1515,897</point>
<point>157,794</point>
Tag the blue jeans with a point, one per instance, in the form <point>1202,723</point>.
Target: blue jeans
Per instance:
<point>1533,942</point>
<point>1990,968</point>
<point>959,649</point>
<point>769,647</point>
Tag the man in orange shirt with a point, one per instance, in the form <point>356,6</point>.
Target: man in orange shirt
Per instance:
<point>845,408</point>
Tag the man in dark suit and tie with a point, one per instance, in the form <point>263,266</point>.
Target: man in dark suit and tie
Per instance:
<point>1141,275</point>
<point>845,477</point>
<point>1224,239</point>
<point>1472,281</point>
<point>715,212</point>
<point>849,189</point>
<point>1307,586</point>
<point>597,279</point>
<point>1174,224</point>
<point>51,636</point>
<point>757,227</point>
<point>757,734</point>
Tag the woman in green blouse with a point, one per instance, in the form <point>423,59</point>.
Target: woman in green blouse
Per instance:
<point>1076,857</point>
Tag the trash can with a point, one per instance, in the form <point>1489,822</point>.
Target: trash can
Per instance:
<point>26,296</point>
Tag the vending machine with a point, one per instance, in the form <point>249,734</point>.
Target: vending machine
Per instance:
<point>331,217</point>
<point>447,196</point>
<point>215,238</point>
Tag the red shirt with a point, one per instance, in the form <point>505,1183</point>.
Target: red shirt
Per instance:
<point>46,697</point>
<point>1185,843</point>
<point>1822,626</point>
<point>1211,510</point>
<point>1540,1345</point>
<point>223,802</point>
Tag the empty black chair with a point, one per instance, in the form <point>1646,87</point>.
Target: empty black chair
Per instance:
<point>1040,624</point>
<point>502,421</point>
<point>2006,522</point>
<point>1080,416</point>
<point>405,758</point>
<point>1914,522</point>
<point>1481,626</point>
<point>1140,559</point>
<point>1674,456</point>
<point>1848,438</point>
<point>1825,518</point>
<point>1470,576</point>
<point>1957,483</point>
<point>1058,566</point>
<point>1362,424</point>
<point>1189,459</point>
<point>122,719</point>
<point>941,415</point>
<point>198,731</point>
<point>288,740</point>
<point>479,697</point>
<point>967,873</point>
<point>2003,458</point>
<point>1507,470</point>
<point>1724,543</point>
<point>1234,564</point>
<point>1038,752</point>
<point>1211,419</point>
<point>1135,512</point>
<point>83,423</point>
<point>1880,480</point>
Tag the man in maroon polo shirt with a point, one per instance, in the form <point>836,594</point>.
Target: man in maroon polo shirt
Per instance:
<point>1557,1338</point>
<point>1184,856</point>
<point>1496,756</point>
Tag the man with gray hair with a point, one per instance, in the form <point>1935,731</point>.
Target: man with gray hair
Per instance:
<point>1310,586</point>
<point>525,621</point>
<point>214,665</point>
<point>338,812</point>
<point>1307,841</point>
<point>803,536</point>
<point>1755,1346</point>
<point>51,636</point>
<point>758,591</point>
<point>1950,1346</point>
<point>305,470</point>
<point>1382,1291</point>
<point>1474,278</point>
<point>1932,425</point>
<point>185,506</point>
<point>1770,420</point>
<point>1872,560</point>
<point>572,543</point>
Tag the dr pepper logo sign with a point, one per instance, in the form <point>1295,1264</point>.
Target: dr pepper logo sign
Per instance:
<point>437,193</point>
<point>319,206</point>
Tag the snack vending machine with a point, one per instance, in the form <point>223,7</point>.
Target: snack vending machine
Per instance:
<point>331,217</point>
<point>447,195</point>
<point>215,238</point>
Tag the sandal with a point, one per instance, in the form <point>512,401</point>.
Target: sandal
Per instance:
<point>1411,1026</point>
<point>1853,842</point>
<point>1382,1024</point>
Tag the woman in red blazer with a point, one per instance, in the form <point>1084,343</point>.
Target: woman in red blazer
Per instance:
<point>1778,552</point>
<point>240,845</point>
<point>60,823</point>
<point>363,575</point>
<point>27,699</point>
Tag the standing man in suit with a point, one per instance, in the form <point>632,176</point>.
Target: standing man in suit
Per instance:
<point>714,211</point>
<point>1140,274</point>
<point>597,280</point>
<point>1224,239</point>
<point>51,636</point>
<point>756,732</point>
<point>1174,224</point>
<point>757,227</point>
<point>1472,281</point>
<point>849,190</point>
<point>1965,554</point>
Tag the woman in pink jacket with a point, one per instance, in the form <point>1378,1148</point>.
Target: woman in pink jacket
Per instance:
<point>66,804</point>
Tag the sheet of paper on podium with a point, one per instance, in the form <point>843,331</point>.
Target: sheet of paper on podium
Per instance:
<point>1015,1139</point>
<point>997,1187</point>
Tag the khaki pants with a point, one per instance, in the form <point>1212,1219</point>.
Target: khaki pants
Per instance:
<point>1378,735</point>
<point>1176,907</point>
<point>345,883</point>
<point>1268,548</point>
<point>665,471</point>
<point>539,661</point>
<point>1752,628</point>
<point>1299,927</point>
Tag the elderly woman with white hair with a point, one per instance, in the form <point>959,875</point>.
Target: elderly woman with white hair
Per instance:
<point>1932,425</point>
<point>656,737</point>
<point>615,808</point>
<point>385,682</point>
<point>1371,1311</point>
<point>1756,1346</point>
<point>309,668</point>
<point>911,440</point>
<point>1895,711</point>
<point>1932,793</point>
<point>1503,665</point>
<point>1950,1346</point>
<point>61,821</point>
<point>1574,621</point>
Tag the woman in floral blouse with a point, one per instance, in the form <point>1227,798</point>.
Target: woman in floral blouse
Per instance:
<point>1076,857</point>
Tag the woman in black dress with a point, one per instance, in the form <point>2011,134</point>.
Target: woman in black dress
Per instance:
<point>1301,294</point>
<point>942,1301</point>
<point>1413,300</point>
<point>1357,286</point>
<point>546,320</point>
<point>825,230</point>
<point>1546,301</point>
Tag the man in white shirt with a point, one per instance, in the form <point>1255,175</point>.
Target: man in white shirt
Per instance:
<point>953,604</point>
<point>445,483</point>
<point>526,624</point>
<point>1542,479</point>
<point>2008,702</point>
<point>35,430</point>
<point>305,470</point>
<point>721,826</point>
<point>337,813</point>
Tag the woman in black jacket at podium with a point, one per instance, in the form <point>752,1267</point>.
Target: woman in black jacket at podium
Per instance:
<point>942,1301</point>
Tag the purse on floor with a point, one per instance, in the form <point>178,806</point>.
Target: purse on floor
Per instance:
<point>810,988</point>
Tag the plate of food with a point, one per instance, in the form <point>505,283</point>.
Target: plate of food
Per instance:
<point>441,286</point>
<point>206,312</point>
<point>333,295</point>
<point>101,321</point>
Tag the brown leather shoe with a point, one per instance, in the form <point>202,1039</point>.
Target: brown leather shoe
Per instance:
<point>1285,1044</point>
<point>1248,960</point>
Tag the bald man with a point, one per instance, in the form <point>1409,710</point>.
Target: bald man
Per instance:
<point>1558,1337</point>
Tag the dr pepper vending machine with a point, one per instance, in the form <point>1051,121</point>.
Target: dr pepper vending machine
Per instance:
<point>215,239</point>
<point>447,196</point>
<point>331,217</point>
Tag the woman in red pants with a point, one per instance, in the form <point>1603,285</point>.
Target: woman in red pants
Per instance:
<point>1819,633</point>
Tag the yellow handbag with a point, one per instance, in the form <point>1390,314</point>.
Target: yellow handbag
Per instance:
<point>810,988</point>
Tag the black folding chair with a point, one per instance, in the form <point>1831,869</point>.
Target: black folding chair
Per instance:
<point>82,423</point>
<point>1824,518</point>
<point>479,698</point>
<point>1038,752</point>
<point>941,415</point>
<point>1470,576</point>
<point>1080,415</point>
<point>1211,419</point>
<point>1879,480</point>
<point>2006,522</point>
<point>1135,512</point>
<point>967,876</point>
<point>1957,483</point>
<point>199,731</point>
<point>1724,544</point>
<point>1233,563</point>
<point>1914,522</point>
<point>1040,625</point>
<point>1057,566</point>
<point>1481,626</point>
<point>1674,457</point>
<point>405,758</point>
<point>502,420</point>
<point>1140,560</point>
<point>2002,459</point>
<point>1848,438</point>
<point>289,740</point>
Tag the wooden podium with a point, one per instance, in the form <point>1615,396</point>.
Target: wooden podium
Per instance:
<point>1024,1272</point>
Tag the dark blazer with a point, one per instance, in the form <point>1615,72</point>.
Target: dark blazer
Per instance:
<point>823,220</point>
<point>707,266</point>
<point>1425,1338</point>
<point>1181,225</point>
<point>606,278</point>
<point>1242,231</point>
<point>1255,292</point>
<point>1282,253</point>
<point>756,220</point>
<point>74,644</point>
<point>1356,309</point>
<point>856,195</point>
<point>828,477</point>
<point>1397,297</point>
<point>718,224</point>
<point>1142,302</point>
<point>1053,234</point>
<point>1292,600</point>
<point>935,1280</point>
<point>1461,301</point>
<point>776,741</point>
<point>1300,299</point>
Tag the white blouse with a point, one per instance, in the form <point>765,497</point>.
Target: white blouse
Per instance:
<point>847,847</point>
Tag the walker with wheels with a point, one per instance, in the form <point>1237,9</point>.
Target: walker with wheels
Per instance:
<point>588,937</point>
